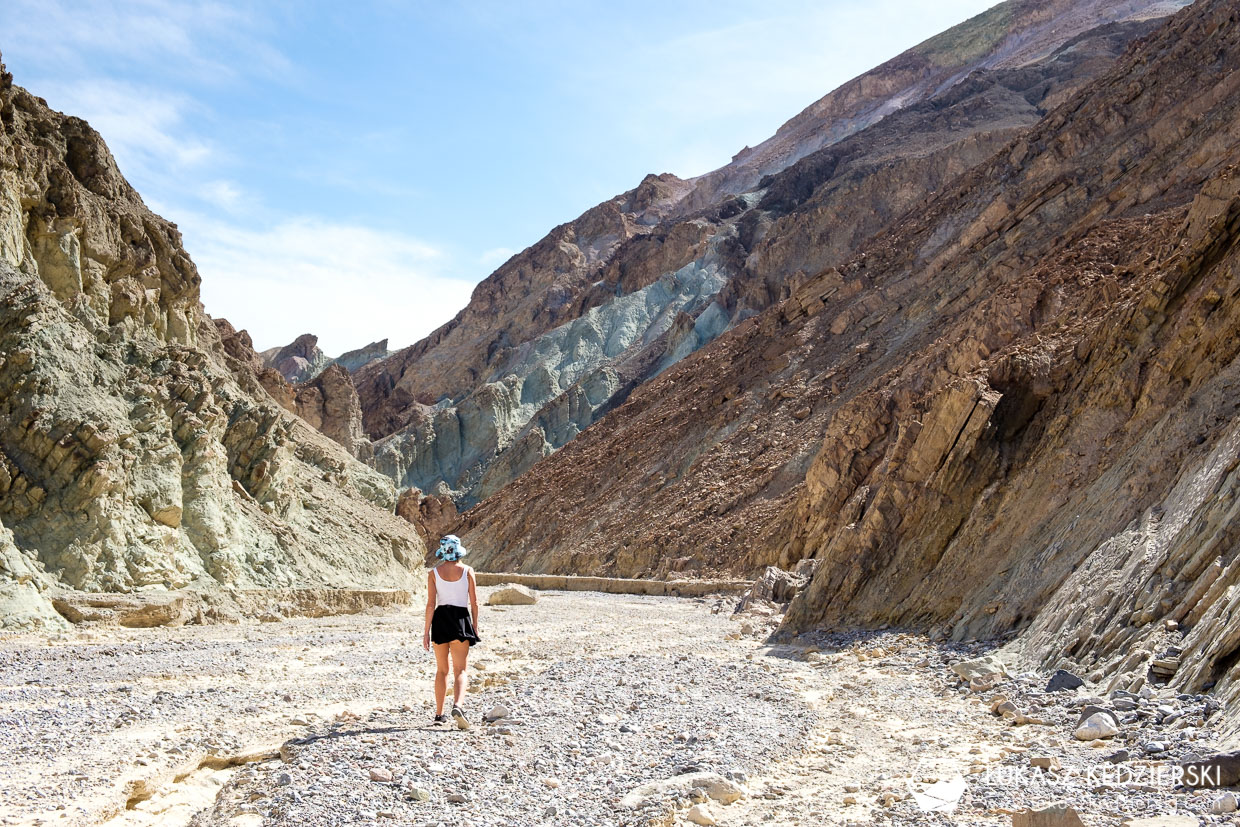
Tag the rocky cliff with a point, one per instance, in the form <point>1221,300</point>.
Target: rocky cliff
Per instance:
<point>136,452</point>
<point>1013,411</point>
<point>299,361</point>
<point>302,360</point>
<point>563,332</point>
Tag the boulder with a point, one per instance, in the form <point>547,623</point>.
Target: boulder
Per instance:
<point>1090,710</point>
<point>775,585</point>
<point>1218,770</point>
<point>512,594</point>
<point>980,668</point>
<point>1225,803</point>
<point>701,814</point>
<point>1063,680</point>
<point>1096,726</point>
<point>141,610</point>
<point>712,785</point>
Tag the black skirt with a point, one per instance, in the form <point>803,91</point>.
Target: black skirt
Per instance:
<point>450,623</point>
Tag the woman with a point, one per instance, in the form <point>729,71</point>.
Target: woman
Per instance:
<point>451,599</point>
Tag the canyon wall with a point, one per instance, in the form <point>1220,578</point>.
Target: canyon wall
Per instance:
<point>136,452</point>
<point>1012,412</point>
<point>563,332</point>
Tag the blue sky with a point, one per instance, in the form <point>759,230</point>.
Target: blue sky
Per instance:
<point>353,169</point>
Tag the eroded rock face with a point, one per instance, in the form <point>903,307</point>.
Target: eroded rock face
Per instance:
<point>354,360</point>
<point>563,332</point>
<point>1012,410</point>
<point>329,403</point>
<point>299,361</point>
<point>432,515</point>
<point>1010,35</point>
<point>138,447</point>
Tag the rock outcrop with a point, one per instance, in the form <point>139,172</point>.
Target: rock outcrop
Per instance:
<point>329,403</point>
<point>564,331</point>
<point>299,361</point>
<point>354,360</point>
<point>1011,411</point>
<point>138,448</point>
<point>433,516</point>
<point>1010,35</point>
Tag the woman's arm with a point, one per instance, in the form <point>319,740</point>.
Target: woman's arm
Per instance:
<point>473,599</point>
<point>430,609</point>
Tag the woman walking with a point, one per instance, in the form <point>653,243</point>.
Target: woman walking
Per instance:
<point>451,624</point>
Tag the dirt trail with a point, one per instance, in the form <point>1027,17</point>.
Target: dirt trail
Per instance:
<point>605,693</point>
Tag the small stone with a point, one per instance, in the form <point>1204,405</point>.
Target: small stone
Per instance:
<point>284,779</point>
<point>701,814</point>
<point>456,798</point>
<point>418,794</point>
<point>1049,763</point>
<point>381,775</point>
<point>889,797</point>
<point>1225,803</point>
<point>551,783</point>
<point>1119,756</point>
<point>1005,709</point>
<point>496,713</point>
<point>850,799</point>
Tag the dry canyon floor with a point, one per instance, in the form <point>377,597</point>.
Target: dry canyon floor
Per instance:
<point>327,721</point>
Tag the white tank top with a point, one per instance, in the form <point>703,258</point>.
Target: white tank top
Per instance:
<point>452,592</point>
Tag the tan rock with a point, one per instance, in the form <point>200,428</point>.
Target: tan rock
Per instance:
<point>140,451</point>
<point>512,594</point>
<point>134,610</point>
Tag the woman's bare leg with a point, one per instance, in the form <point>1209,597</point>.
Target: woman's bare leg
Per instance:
<point>460,652</point>
<point>441,675</point>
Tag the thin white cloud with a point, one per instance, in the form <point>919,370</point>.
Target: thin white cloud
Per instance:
<point>144,127</point>
<point>347,284</point>
<point>759,72</point>
<point>224,194</point>
<point>201,39</point>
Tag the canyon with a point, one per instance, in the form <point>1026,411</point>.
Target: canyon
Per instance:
<point>947,367</point>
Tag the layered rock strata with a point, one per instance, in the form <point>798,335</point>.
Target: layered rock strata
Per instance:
<point>1011,412</point>
<point>564,331</point>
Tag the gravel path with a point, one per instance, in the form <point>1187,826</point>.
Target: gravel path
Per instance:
<point>619,710</point>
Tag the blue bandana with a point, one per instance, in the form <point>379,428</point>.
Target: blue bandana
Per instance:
<point>450,548</point>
